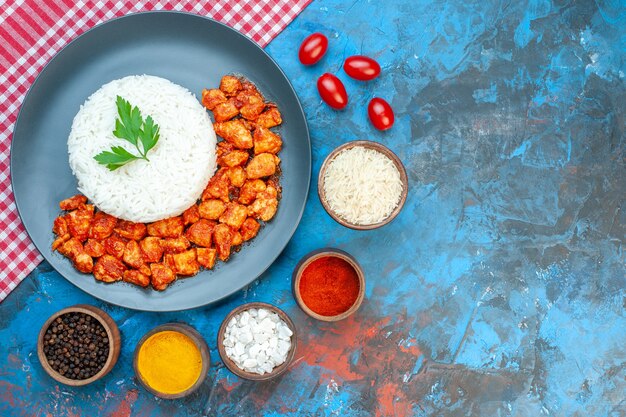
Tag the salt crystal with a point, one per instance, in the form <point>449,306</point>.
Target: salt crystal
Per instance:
<point>267,323</point>
<point>261,337</point>
<point>257,340</point>
<point>267,368</point>
<point>254,350</point>
<point>284,332</point>
<point>278,358</point>
<point>249,363</point>
<point>245,337</point>
<point>244,318</point>
<point>283,347</point>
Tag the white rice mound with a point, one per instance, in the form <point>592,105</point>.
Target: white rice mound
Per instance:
<point>180,164</point>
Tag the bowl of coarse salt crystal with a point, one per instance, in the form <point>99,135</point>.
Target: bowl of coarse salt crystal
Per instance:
<point>257,341</point>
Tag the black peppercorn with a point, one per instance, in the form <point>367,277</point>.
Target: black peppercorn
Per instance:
<point>80,345</point>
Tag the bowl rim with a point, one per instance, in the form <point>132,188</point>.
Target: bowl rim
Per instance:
<point>230,364</point>
<point>321,253</point>
<point>200,343</point>
<point>368,144</point>
<point>113,334</point>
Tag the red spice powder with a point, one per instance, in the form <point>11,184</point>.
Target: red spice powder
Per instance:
<point>329,286</point>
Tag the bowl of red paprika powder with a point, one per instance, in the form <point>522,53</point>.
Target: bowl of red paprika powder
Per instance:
<point>328,284</point>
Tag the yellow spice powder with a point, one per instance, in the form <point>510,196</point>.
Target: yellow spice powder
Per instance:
<point>169,362</point>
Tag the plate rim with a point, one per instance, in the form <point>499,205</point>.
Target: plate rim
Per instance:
<point>208,20</point>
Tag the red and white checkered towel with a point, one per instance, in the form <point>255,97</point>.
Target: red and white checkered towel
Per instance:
<point>32,31</point>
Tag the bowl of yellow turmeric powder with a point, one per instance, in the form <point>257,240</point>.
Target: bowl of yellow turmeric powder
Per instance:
<point>172,360</point>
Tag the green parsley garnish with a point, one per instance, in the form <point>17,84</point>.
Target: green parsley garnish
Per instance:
<point>131,127</point>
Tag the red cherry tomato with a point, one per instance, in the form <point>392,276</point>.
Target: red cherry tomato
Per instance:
<point>381,113</point>
<point>313,48</point>
<point>361,67</point>
<point>332,91</point>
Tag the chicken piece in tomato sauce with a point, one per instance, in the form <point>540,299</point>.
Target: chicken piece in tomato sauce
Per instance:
<point>201,232</point>
<point>269,118</point>
<point>237,176</point>
<point>222,235</point>
<point>234,216</point>
<point>235,132</point>
<point>262,165</point>
<point>186,263</point>
<point>133,256</point>
<point>206,257</point>
<point>265,205</point>
<point>172,227</point>
<point>266,141</point>
<point>217,186</point>
<point>250,190</point>
<point>211,209</point>
<point>79,221</point>
<point>175,245</point>
<point>94,248</point>
<point>109,269</point>
<point>225,111</point>
<point>213,97</point>
<point>73,203</point>
<point>253,104</point>
<point>230,85</point>
<point>191,215</point>
<point>152,249</point>
<point>233,158</point>
<point>249,229</point>
<point>162,276</point>
<point>130,230</point>
<point>102,225</point>
<point>114,245</point>
<point>135,277</point>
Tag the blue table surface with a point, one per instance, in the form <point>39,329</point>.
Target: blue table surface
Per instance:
<point>500,288</point>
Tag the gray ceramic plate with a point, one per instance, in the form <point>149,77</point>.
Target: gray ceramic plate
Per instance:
<point>189,50</point>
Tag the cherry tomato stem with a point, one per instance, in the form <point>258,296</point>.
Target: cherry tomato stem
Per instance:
<point>313,48</point>
<point>380,113</point>
<point>332,91</point>
<point>361,67</point>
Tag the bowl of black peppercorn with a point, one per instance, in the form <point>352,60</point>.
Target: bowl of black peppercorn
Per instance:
<point>78,345</point>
